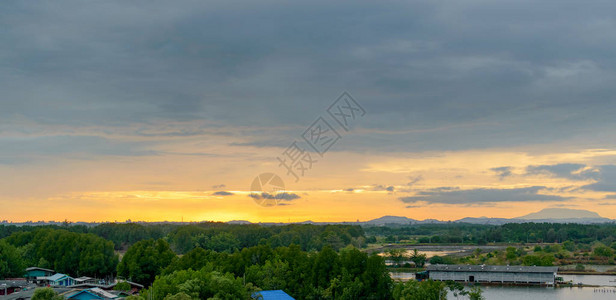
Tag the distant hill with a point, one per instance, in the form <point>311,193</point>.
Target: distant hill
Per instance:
<point>391,220</point>
<point>486,221</point>
<point>548,215</point>
<point>240,222</point>
<point>561,213</point>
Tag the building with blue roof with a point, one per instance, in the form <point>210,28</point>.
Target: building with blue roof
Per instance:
<point>58,279</point>
<point>272,295</point>
<point>91,294</point>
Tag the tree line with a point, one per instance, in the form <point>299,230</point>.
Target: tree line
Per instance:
<point>89,251</point>
<point>482,234</point>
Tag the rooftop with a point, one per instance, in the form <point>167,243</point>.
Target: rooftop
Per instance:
<point>37,268</point>
<point>13,283</point>
<point>272,295</point>
<point>97,292</point>
<point>56,276</point>
<point>83,278</point>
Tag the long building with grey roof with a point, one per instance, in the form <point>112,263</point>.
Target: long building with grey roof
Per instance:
<point>493,274</point>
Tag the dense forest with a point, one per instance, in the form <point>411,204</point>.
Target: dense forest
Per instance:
<point>207,259</point>
<point>230,261</point>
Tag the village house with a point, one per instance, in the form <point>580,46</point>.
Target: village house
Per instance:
<point>10,286</point>
<point>34,273</point>
<point>58,279</point>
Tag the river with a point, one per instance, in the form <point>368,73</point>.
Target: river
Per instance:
<point>543,293</point>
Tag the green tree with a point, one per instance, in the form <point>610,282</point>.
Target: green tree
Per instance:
<point>195,259</point>
<point>179,296</point>
<point>441,260</point>
<point>202,284</point>
<point>122,286</point>
<point>476,293</point>
<point>46,294</point>
<point>223,242</point>
<point>569,245</point>
<point>418,259</point>
<point>420,290</point>
<point>144,260</point>
<point>376,279</point>
<point>11,261</point>
<point>396,255</point>
<point>536,260</point>
<point>325,268</point>
<point>603,251</point>
<point>78,254</point>
<point>273,275</point>
<point>511,253</point>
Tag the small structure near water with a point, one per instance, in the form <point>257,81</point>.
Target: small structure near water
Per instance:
<point>519,275</point>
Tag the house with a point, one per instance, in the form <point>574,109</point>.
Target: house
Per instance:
<point>10,286</point>
<point>21,295</point>
<point>33,273</point>
<point>494,274</point>
<point>58,279</point>
<point>90,294</point>
<point>271,295</point>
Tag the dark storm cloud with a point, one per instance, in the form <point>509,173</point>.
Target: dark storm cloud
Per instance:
<point>431,75</point>
<point>606,181</point>
<point>452,195</point>
<point>79,147</point>
<point>569,171</point>
<point>502,172</point>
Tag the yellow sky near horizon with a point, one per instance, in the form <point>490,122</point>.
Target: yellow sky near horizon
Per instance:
<point>176,187</point>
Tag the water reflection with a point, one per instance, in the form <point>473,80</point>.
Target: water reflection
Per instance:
<point>543,293</point>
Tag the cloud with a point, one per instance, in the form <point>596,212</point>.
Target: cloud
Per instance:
<point>566,170</point>
<point>475,82</point>
<point>222,193</point>
<point>453,195</point>
<point>502,172</point>
<point>606,181</point>
<point>380,187</point>
<point>279,196</point>
<point>414,206</point>
<point>612,196</point>
<point>414,180</point>
<point>219,186</point>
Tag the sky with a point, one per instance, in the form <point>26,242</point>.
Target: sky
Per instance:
<point>169,110</point>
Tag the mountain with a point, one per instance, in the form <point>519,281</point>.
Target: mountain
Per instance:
<point>487,221</point>
<point>391,220</point>
<point>548,215</point>
<point>561,213</point>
